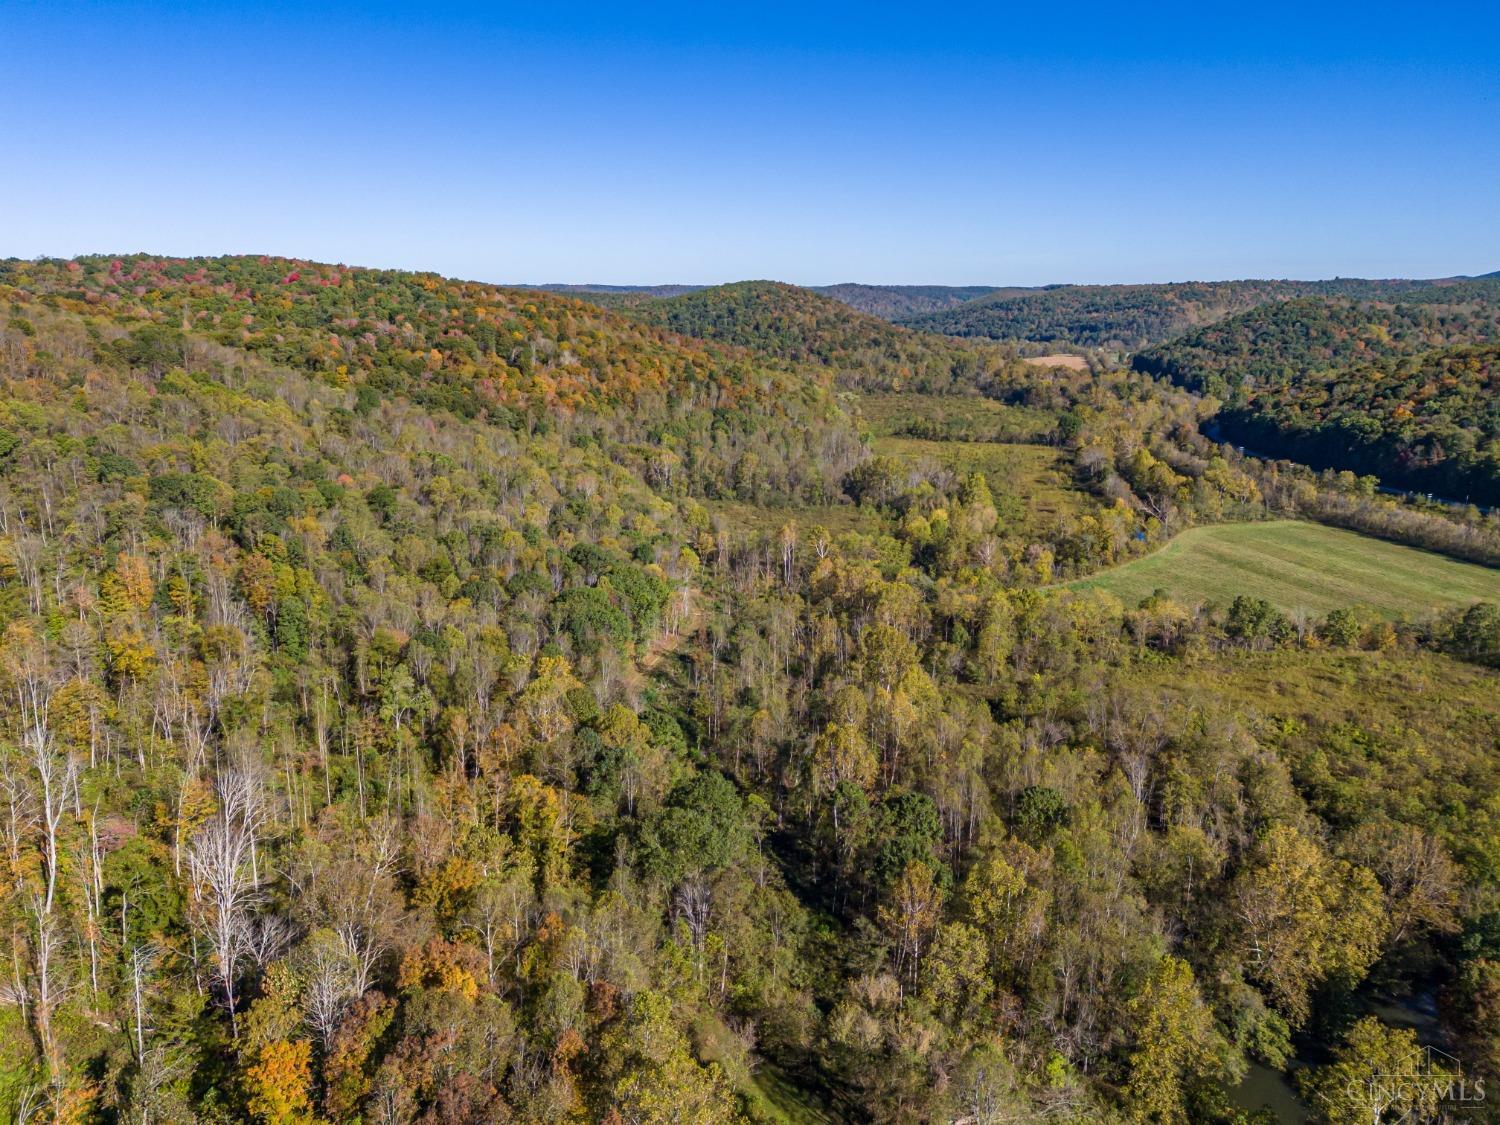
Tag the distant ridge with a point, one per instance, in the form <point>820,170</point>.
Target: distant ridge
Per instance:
<point>590,287</point>
<point>790,323</point>
<point>1121,317</point>
<point>891,302</point>
<point>1129,318</point>
<point>1401,387</point>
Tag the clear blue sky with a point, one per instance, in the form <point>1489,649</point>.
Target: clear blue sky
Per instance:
<point>627,142</point>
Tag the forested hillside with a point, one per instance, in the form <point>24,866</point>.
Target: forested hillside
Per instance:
<point>892,302</point>
<point>804,326</point>
<point>888,302</point>
<point>1405,391</point>
<point>1129,318</point>
<point>523,360</point>
<point>585,288</point>
<point>433,702</point>
<point>615,296</point>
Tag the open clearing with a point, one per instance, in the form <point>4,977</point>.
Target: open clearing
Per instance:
<point>1030,483</point>
<point>1295,565</point>
<point>954,418</point>
<point>1071,362</point>
<point>1418,695</point>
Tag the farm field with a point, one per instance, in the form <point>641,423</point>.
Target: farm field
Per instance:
<point>1071,362</point>
<point>1297,565</point>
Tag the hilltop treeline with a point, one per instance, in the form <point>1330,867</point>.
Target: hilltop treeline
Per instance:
<point>800,325</point>
<point>891,302</point>
<point>886,301</point>
<point>1128,318</point>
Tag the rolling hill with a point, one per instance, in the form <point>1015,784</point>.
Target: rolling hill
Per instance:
<point>799,325</point>
<point>521,359</point>
<point>1407,391</point>
<point>892,302</point>
<point>1284,341</point>
<point>889,302</point>
<point>427,701</point>
<point>612,296</point>
<point>1130,318</point>
<point>583,288</point>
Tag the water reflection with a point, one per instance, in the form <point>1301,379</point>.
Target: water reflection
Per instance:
<point>1276,1092</point>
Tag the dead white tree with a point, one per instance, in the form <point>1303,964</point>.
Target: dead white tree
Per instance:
<point>692,906</point>
<point>56,772</point>
<point>18,814</point>
<point>142,966</point>
<point>49,986</point>
<point>329,988</point>
<point>363,904</point>
<point>159,1060</point>
<point>267,938</point>
<point>224,883</point>
<point>27,552</point>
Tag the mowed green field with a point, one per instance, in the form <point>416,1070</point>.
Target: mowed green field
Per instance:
<point>1295,565</point>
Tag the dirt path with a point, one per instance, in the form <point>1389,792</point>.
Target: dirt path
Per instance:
<point>665,644</point>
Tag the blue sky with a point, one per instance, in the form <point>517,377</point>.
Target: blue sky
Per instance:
<point>809,142</point>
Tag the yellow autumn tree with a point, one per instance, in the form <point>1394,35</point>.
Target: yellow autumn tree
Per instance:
<point>279,1082</point>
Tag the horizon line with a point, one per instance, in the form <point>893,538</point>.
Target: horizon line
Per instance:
<point>606,286</point>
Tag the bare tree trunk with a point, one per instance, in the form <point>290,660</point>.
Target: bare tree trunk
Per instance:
<point>221,865</point>
<point>48,990</point>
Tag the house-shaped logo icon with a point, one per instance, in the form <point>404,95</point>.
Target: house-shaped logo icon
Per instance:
<point>1426,1085</point>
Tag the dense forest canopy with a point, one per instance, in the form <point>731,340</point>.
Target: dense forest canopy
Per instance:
<point>892,302</point>
<point>1127,318</point>
<point>522,359</point>
<point>1405,391</point>
<point>791,323</point>
<point>615,296</point>
<point>889,302</point>
<point>431,701</point>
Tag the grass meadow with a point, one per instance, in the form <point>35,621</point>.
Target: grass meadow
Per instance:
<point>1295,565</point>
<point>953,417</point>
<point>1031,484</point>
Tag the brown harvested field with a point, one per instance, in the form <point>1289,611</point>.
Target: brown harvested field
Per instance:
<point>1072,362</point>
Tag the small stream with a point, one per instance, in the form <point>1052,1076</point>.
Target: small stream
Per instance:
<point>1265,1089</point>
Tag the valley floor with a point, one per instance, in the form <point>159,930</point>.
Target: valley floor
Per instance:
<point>1299,566</point>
